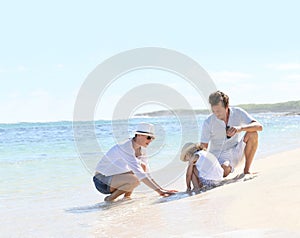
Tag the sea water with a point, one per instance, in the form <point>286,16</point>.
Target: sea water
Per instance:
<point>44,176</point>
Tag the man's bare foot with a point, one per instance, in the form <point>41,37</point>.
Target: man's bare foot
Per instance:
<point>127,198</point>
<point>248,172</point>
<point>227,170</point>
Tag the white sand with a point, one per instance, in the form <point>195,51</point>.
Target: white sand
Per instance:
<point>265,206</point>
<point>270,201</point>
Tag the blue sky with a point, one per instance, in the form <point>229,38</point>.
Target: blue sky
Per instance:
<point>250,49</point>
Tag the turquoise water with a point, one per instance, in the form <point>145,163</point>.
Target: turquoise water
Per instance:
<point>47,152</point>
<point>29,142</point>
<point>45,141</point>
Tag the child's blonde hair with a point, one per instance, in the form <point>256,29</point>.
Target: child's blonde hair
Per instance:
<point>189,149</point>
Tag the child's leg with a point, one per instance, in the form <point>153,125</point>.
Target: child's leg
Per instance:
<point>195,179</point>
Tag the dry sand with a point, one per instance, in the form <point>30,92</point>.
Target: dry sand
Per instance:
<point>263,205</point>
<point>267,205</point>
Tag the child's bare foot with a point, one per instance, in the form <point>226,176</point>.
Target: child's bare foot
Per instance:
<point>197,190</point>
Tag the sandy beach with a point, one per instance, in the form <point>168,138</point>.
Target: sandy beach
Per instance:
<point>266,204</point>
<point>270,201</point>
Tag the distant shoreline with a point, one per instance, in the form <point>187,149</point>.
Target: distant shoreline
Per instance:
<point>289,108</point>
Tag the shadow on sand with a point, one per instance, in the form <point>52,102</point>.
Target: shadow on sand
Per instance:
<point>181,195</point>
<point>99,206</point>
<point>102,206</point>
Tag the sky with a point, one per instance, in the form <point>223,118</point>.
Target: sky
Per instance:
<point>249,48</point>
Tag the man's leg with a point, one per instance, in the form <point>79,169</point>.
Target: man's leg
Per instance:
<point>127,195</point>
<point>122,184</point>
<point>251,140</point>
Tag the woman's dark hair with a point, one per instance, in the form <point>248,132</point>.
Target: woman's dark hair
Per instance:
<point>217,97</point>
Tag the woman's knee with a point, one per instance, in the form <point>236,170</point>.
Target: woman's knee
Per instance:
<point>133,181</point>
<point>129,184</point>
<point>126,181</point>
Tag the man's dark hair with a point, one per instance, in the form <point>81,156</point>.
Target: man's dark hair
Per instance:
<point>217,97</point>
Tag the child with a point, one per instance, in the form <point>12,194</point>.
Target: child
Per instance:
<point>203,170</point>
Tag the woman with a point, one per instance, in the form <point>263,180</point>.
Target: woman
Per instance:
<point>122,168</point>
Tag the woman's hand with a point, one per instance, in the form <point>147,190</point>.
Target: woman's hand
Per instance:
<point>166,193</point>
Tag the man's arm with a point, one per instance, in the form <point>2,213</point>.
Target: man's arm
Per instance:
<point>251,127</point>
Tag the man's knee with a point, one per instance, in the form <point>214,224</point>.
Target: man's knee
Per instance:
<point>251,136</point>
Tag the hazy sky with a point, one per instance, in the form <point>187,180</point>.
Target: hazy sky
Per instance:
<point>250,49</point>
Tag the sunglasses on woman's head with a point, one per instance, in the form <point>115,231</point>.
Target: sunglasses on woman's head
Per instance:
<point>150,138</point>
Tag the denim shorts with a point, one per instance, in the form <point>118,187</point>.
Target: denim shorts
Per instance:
<point>102,183</point>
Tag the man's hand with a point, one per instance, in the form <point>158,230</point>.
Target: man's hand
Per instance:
<point>231,131</point>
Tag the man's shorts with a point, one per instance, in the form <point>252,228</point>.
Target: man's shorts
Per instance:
<point>233,156</point>
<point>102,183</point>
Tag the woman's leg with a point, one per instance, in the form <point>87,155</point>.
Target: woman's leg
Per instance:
<point>122,184</point>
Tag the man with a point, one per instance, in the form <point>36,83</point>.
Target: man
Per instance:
<point>125,165</point>
<point>220,132</point>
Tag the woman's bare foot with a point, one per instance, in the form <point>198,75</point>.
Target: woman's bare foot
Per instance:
<point>108,199</point>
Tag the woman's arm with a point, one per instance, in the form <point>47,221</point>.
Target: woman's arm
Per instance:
<point>159,189</point>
